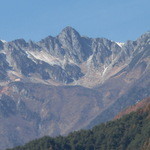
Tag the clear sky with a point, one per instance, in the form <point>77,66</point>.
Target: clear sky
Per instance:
<point>118,20</point>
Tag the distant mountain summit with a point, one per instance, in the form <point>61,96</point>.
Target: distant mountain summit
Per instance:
<point>68,82</point>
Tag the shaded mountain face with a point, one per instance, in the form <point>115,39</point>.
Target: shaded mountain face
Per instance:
<point>4,67</point>
<point>68,82</point>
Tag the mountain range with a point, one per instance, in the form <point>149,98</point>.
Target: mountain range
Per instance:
<point>68,82</point>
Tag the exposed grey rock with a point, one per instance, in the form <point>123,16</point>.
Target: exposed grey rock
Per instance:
<point>4,66</point>
<point>66,49</point>
<point>1,45</point>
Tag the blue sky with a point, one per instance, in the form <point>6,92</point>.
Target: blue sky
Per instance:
<point>118,20</point>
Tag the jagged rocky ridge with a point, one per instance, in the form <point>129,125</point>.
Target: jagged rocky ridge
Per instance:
<point>69,58</point>
<point>65,58</point>
<point>68,82</point>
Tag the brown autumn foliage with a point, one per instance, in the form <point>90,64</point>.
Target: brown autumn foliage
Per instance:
<point>144,104</point>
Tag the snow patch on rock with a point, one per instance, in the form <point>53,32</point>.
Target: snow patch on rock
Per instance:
<point>120,44</point>
<point>3,41</point>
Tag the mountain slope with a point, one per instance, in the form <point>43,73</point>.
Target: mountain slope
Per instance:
<point>132,131</point>
<point>44,110</point>
<point>141,104</point>
<point>133,93</point>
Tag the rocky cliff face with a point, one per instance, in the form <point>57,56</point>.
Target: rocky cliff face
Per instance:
<point>68,82</point>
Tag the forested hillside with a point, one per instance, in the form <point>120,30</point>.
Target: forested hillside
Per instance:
<point>131,132</point>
